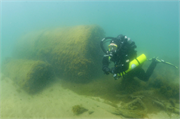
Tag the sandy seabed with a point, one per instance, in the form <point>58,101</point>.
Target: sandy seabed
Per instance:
<point>54,102</point>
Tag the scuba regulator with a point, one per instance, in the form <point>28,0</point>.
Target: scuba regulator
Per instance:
<point>105,40</point>
<point>120,41</point>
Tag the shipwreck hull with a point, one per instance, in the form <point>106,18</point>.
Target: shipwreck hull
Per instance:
<point>73,52</point>
<point>31,76</point>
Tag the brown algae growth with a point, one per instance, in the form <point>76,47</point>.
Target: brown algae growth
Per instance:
<point>67,52</point>
<point>29,75</point>
<point>73,52</point>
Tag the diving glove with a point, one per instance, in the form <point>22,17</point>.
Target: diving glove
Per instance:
<point>106,70</point>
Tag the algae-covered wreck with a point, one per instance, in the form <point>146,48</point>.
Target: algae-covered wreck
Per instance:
<point>70,51</point>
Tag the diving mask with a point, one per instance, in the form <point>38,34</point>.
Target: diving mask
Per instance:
<point>112,47</point>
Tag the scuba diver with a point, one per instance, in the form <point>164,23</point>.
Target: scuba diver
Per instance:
<point>121,51</point>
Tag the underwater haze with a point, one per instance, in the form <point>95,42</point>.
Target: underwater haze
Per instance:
<point>51,59</point>
<point>154,26</point>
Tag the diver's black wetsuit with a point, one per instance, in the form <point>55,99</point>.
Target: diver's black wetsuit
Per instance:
<point>125,54</point>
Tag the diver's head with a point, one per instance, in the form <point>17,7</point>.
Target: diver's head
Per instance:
<point>115,44</point>
<point>112,47</point>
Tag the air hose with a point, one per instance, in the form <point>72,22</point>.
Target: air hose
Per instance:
<point>102,43</point>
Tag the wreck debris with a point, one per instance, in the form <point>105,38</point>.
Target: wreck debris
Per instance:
<point>78,109</point>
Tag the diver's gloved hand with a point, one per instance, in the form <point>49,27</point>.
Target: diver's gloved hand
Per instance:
<point>120,68</point>
<point>106,70</point>
<point>115,70</point>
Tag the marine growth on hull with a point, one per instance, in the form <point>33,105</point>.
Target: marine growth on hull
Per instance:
<point>72,52</point>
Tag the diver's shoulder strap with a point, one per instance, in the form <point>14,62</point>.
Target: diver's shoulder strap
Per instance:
<point>137,61</point>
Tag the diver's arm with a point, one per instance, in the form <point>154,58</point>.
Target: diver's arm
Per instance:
<point>105,63</point>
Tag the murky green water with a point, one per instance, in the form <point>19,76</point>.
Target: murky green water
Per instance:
<point>153,26</point>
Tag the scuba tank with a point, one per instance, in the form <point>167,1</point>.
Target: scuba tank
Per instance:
<point>134,63</point>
